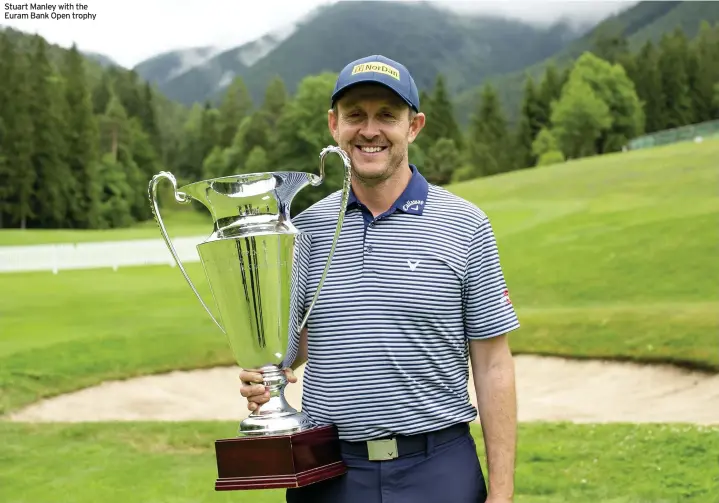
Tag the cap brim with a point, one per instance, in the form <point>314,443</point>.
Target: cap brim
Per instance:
<point>338,94</point>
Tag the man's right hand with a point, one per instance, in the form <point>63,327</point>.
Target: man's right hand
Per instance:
<point>253,388</point>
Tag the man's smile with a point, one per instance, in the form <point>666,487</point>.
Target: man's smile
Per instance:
<point>371,149</point>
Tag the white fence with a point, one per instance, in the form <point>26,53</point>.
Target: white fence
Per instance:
<point>105,254</point>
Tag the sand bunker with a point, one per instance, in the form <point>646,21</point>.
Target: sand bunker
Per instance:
<point>550,389</point>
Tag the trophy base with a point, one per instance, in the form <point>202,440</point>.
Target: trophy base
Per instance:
<point>276,462</point>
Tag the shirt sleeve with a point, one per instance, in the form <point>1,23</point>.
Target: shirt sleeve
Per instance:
<point>488,310</point>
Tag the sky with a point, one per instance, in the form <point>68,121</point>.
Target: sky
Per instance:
<point>130,31</point>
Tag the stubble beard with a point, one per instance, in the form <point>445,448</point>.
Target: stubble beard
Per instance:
<point>392,166</point>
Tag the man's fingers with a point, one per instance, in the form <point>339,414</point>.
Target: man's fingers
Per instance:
<point>255,393</point>
<point>253,390</point>
<point>254,403</point>
<point>249,376</point>
<point>290,375</point>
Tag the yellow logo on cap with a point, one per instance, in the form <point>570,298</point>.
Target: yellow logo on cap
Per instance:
<point>376,67</point>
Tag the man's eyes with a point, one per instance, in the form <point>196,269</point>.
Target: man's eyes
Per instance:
<point>384,115</point>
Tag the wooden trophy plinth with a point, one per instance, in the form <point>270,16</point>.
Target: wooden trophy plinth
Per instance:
<point>274,462</point>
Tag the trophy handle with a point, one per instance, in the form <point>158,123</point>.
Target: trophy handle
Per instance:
<point>181,198</point>
<point>343,207</point>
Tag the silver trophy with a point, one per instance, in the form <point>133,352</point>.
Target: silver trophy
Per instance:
<point>248,261</point>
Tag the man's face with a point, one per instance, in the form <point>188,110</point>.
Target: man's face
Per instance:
<point>373,126</point>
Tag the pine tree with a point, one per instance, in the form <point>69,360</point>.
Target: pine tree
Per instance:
<point>704,72</point>
<point>648,83</point>
<point>18,144</point>
<point>677,106</point>
<point>139,159</point>
<point>5,188</point>
<point>487,150</point>
<point>128,89</point>
<point>148,119</point>
<point>82,143</point>
<point>275,100</point>
<point>114,207</point>
<point>192,153</point>
<point>117,148</point>
<point>425,102</point>
<point>55,182</point>
<point>235,106</point>
<point>113,127</point>
<point>101,93</point>
<point>530,124</point>
<point>441,122</point>
<point>209,130</point>
<point>550,89</point>
<point>274,103</point>
<point>610,45</point>
<point>214,164</point>
<point>442,160</point>
<point>4,172</point>
<point>257,160</point>
<point>257,133</point>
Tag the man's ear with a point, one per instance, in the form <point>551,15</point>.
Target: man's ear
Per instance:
<point>332,124</point>
<point>416,126</point>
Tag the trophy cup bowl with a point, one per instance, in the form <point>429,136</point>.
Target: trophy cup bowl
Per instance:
<point>249,261</point>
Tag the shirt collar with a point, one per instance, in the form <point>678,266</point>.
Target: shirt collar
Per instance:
<point>412,200</point>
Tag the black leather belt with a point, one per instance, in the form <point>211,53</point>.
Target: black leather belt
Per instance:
<point>402,445</point>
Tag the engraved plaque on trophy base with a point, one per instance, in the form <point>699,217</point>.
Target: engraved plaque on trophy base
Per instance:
<point>278,461</point>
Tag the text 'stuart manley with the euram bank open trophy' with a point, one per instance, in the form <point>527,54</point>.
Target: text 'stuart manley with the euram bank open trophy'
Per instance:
<point>249,261</point>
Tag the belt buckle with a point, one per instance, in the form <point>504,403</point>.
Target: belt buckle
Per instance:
<point>382,450</point>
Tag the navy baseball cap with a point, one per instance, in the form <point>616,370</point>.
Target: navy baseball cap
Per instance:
<point>379,70</point>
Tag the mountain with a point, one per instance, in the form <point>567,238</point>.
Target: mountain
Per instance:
<point>427,38</point>
<point>469,49</point>
<point>166,66</point>
<point>637,24</point>
<point>101,59</point>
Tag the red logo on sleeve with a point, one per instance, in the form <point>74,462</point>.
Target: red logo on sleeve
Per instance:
<point>505,296</point>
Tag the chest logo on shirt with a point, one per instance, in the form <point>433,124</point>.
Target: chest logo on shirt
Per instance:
<point>412,264</point>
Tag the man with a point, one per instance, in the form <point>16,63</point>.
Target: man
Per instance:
<point>415,289</point>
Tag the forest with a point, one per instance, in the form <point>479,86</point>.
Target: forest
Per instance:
<point>78,147</point>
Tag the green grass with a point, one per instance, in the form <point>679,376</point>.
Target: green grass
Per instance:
<point>613,256</point>
<point>74,329</point>
<point>178,223</point>
<point>175,463</point>
<point>608,257</point>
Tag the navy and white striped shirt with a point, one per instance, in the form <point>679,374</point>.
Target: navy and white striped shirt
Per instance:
<point>388,336</point>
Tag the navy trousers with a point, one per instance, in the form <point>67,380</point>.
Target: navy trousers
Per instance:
<point>447,472</point>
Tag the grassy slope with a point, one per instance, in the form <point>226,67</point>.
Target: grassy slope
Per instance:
<point>612,256</point>
<point>605,257</point>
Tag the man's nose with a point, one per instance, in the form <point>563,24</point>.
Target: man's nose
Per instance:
<point>370,129</point>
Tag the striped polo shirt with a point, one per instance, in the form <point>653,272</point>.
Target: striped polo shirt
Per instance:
<point>388,336</point>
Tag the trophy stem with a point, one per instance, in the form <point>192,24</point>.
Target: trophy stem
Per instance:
<point>277,416</point>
